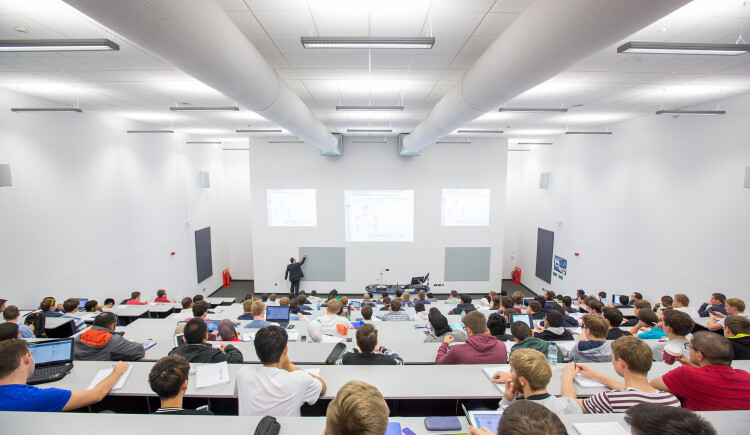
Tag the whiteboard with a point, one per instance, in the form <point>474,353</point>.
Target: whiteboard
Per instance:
<point>323,264</point>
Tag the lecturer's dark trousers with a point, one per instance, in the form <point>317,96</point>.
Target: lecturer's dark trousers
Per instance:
<point>295,288</point>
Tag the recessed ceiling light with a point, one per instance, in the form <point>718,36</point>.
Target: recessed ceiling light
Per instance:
<point>480,131</point>
<point>533,109</point>
<point>367,42</point>
<point>204,108</point>
<point>691,112</point>
<point>369,130</point>
<point>58,45</point>
<point>369,108</point>
<point>647,47</point>
<point>45,109</point>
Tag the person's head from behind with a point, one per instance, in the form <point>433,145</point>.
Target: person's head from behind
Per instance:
<point>528,417</point>
<point>187,303</point>
<point>641,305</point>
<point>366,312</point>
<point>197,298</point>
<point>270,344</point>
<point>709,348</point>
<point>597,327</point>
<point>636,296</point>
<point>438,323</point>
<point>301,299</point>
<point>596,307</point>
<point>454,294</point>
<point>272,297</point>
<point>581,293</point>
<point>496,324</point>
<point>520,331</point>
<point>399,293</point>
<point>540,299</point>
<point>648,317</point>
<point>367,338</point>
<point>284,302</point>
<point>553,319</point>
<point>681,300</point>
<point>518,298</point>
<point>602,295</point>
<point>168,378</point>
<point>344,301</point>
<point>735,306</point>
<point>91,306</point>
<point>407,296</point>
<point>358,408</point>
<point>679,323</point>
<point>733,325</point>
<point>47,304</point>
<point>11,313</point>
<point>109,303</point>
<point>15,357</point>
<point>161,293</point>
<point>264,297</point>
<point>106,320</point>
<point>247,305</point>
<point>292,260</point>
<point>334,307</point>
<point>396,305</point>
<point>136,296</point>
<point>9,330</point>
<point>507,303</point>
<point>535,307</point>
<point>496,303</point>
<point>71,305</point>
<point>383,294</point>
<point>2,304</point>
<point>196,331</point>
<point>465,299</point>
<point>200,308</point>
<point>313,293</point>
<point>257,309</point>
<point>530,369</point>
<point>226,330</point>
<point>624,300</point>
<point>419,308</point>
<point>567,301</point>
<point>667,301</point>
<point>475,322</point>
<point>631,354</point>
<point>613,316</point>
<point>421,295</point>
<point>642,419</point>
<point>386,301</point>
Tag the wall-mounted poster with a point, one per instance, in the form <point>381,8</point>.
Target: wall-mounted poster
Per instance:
<point>560,267</point>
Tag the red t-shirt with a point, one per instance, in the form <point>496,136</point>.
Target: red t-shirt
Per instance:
<point>710,388</point>
<point>133,302</point>
<point>161,300</point>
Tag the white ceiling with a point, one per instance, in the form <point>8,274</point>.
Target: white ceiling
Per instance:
<point>600,91</point>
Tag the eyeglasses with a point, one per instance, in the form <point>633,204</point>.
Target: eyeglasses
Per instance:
<point>690,346</point>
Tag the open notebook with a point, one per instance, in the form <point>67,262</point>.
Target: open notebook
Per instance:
<point>211,375</point>
<point>101,374</point>
<point>586,382</point>
<point>490,372</point>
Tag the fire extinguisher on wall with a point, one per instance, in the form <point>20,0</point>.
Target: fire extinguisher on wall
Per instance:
<point>227,278</point>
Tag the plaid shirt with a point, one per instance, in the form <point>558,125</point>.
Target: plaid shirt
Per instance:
<point>396,316</point>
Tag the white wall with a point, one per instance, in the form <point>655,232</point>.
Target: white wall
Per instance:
<point>481,164</point>
<point>658,207</point>
<point>237,212</point>
<point>95,212</point>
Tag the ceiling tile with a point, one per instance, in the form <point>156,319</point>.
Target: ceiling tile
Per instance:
<point>246,22</point>
<point>494,24</point>
<point>454,23</point>
<point>287,23</point>
<point>232,5</point>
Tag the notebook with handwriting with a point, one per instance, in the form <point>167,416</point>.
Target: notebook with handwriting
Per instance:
<point>211,375</point>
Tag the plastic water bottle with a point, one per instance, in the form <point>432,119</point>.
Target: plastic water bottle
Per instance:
<point>463,313</point>
<point>318,304</point>
<point>552,354</point>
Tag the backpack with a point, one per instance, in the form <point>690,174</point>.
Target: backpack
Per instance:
<point>268,426</point>
<point>37,321</point>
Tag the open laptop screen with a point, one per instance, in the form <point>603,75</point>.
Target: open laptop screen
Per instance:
<point>525,318</point>
<point>277,314</point>
<point>52,352</point>
<point>82,303</point>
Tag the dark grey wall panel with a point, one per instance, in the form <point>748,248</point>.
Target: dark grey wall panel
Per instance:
<point>323,264</point>
<point>203,260</point>
<point>545,243</point>
<point>467,264</point>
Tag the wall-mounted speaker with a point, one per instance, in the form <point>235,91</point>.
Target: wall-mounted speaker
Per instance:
<point>544,180</point>
<point>205,181</point>
<point>5,175</point>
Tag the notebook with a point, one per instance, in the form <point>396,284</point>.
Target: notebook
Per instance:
<point>211,375</point>
<point>490,372</point>
<point>586,382</point>
<point>102,374</point>
<point>292,335</point>
<point>608,427</point>
<point>248,337</point>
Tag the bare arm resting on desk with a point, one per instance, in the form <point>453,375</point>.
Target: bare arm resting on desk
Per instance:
<point>79,399</point>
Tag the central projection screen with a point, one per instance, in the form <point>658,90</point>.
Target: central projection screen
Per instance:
<point>379,215</point>
<point>291,208</point>
<point>465,208</point>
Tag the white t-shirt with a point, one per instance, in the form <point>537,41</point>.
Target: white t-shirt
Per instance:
<point>692,312</point>
<point>271,391</point>
<point>330,321</point>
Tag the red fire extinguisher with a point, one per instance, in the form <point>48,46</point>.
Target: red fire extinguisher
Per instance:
<point>227,278</point>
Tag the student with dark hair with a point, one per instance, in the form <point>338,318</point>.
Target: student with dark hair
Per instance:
<point>439,329</point>
<point>386,304</point>
<point>187,303</point>
<point>9,330</point>
<point>568,321</point>
<point>168,378</point>
<point>17,365</point>
<point>602,297</point>
<point>161,296</point>
<point>624,302</point>
<point>677,325</point>
<point>135,299</point>
<point>666,301</point>
<point>637,307</point>
<point>70,311</point>
<point>713,306</point>
<point>480,347</point>
<point>420,314</point>
<point>453,298</point>
<point>523,336</point>
<point>366,312</point>
<point>706,381</point>
<point>614,317</point>
<point>294,273</point>
<point>596,307</point>
<point>592,345</point>
<point>395,314</point>
<point>525,417</point>
<point>635,296</point>
<point>567,303</point>
<point>671,421</point>
<point>196,350</point>
<point>100,343</point>
<point>465,305</point>
<point>91,306</point>
<point>368,350</point>
<point>497,325</point>
<point>108,303</point>
<point>647,323</point>
<point>553,328</point>
<point>535,309</point>
<point>198,297</point>
<point>11,314</point>
<point>49,309</point>
<point>278,387</point>
<point>737,331</point>
<point>580,295</point>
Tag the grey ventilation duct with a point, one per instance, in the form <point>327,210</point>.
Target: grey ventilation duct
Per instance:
<point>197,37</point>
<point>546,39</point>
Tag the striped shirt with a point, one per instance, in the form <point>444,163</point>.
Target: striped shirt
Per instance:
<point>619,401</point>
<point>396,316</point>
<point>710,388</point>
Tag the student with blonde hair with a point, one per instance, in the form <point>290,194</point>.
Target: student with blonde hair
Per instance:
<point>358,408</point>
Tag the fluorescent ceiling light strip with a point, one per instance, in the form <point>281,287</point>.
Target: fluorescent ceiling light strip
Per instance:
<point>150,131</point>
<point>259,130</point>
<point>480,131</point>
<point>534,143</point>
<point>648,47</point>
<point>519,150</point>
<point>691,112</point>
<point>368,108</point>
<point>286,141</point>
<point>20,45</point>
<point>588,132</point>
<point>207,143</point>
<point>454,141</point>
<point>369,130</point>
<point>204,109</point>
<point>45,109</point>
<point>533,109</point>
<point>369,141</point>
<point>367,42</point>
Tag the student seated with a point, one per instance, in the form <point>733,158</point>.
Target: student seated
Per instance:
<point>331,319</point>
<point>553,328</point>
<point>70,311</point>
<point>596,307</point>
<point>11,314</point>
<point>187,303</point>
<point>135,299</point>
<point>358,408</point>
<point>580,296</point>
<point>108,303</point>
<point>395,314</point>
<point>602,297</point>
<point>635,296</point>
<point>420,314</point>
<point>737,330</point>
<point>614,317</point>
<point>196,350</point>
<point>199,311</point>
<point>567,304</point>
<point>278,387</point>
<point>49,309</point>
<point>496,325</point>
<point>592,345</point>
<point>422,298</point>
<point>677,325</point>
<point>407,302</point>
<point>525,417</point>
<point>386,304</point>
<point>524,339</point>
<point>366,312</point>
<point>197,298</point>
<point>671,421</point>
<point>258,311</point>
<point>623,302</point>
<point>480,347</point>
<point>368,350</point>
<point>465,306</point>
<point>681,303</point>
<point>17,365</point>
<point>714,305</point>
<point>226,331</point>
<point>272,300</point>
<point>530,372</point>
<point>631,358</point>
<point>247,308</point>
<point>518,300</point>
<point>302,303</point>
<point>9,331</point>
<point>733,307</point>
<point>168,378</point>
<point>439,329</point>
<point>91,306</point>
<point>453,298</point>
<point>294,308</point>
<point>535,309</point>
<point>637,307</point>
<point>665,302</point>
<point>161,296</point>
<point>100,343</point>
<point>706,381</point>
<point>284,302</point>
<point>647,324</point>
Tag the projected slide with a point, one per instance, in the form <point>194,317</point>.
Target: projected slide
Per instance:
<point>291,208</point>
<point>465,208</point>
<point>379,215</point>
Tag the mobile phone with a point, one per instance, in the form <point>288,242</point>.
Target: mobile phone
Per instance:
<point>290,326</point>
<point>407,431</point>
<point>349,340</point>
<point>303,338</point>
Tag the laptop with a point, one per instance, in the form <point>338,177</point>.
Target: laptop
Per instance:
<point>179,340</point>
<point>525,318</point>
<point>527,301</point>
<point>53,359</point>
<point>82,304</point>
<point>278,315</point>
<point>355,304</point>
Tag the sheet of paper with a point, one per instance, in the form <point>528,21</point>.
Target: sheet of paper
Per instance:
<point>102,374</point>
<point>490,372</point>
<point>587,382</point>
<point>292,335</point>
<point>327,338</point>
<point>211,375</point>
<point>248,337</point>
<point>608,427</point>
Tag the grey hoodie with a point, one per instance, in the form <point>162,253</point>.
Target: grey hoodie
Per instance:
<point>459,335</point>
<point>101,344</point>
<point>601,353</point>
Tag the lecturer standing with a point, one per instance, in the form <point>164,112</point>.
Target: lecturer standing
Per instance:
<point>294,272</point>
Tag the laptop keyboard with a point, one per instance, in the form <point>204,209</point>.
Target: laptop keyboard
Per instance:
<point>51,373</point>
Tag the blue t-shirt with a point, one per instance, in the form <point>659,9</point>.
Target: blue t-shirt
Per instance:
<point>29,398</point>
<point>654,334</point>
